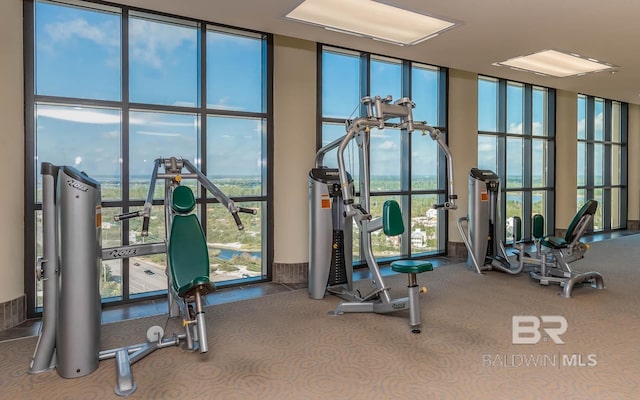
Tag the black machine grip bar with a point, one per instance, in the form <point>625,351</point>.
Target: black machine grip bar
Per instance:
<point>120,217</point>
<point>237,219</point>
<point>145,226</point>
<point>248,210</point>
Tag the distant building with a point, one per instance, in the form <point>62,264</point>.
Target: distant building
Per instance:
<point>418,238</point>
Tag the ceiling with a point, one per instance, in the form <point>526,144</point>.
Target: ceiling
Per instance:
<point>490,31</point>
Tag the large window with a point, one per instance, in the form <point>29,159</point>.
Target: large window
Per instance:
<point>602,160</point>
<point>516,141</point>
<point>409,169</point>
<point>113,88</point>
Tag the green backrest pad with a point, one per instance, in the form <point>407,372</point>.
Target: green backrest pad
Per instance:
<point>517,228</point>
<point>538,226</point>
<point>182,200</point>
<point>187,252</point>
<point>392,224</point>
<point>589,208</point>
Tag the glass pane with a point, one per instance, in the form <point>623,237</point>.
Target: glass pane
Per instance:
<point>515,106</point>
<point>598,224</point>
<point>487,150</point>
<point>487,105</point>
<point>331,132</point>
<point>111,273</point>
<point>616,127</point>
<point>234,72</point>
<point>235,160</point>
<point>386,78</point>
<point>616,164</point>
<point>582,117</point>
<point>153,135</point>
<point>424,92</point>
<point>514,163</point>
<point>581,199</point>
<point>77,52</point>
<point>340,85</point>
<point>582,165</point>
<point>384,246</point>
<point>514,209</point>
<point>111,230</point>
<point>598,164</point>
<point>85,138</point>
<point>424,224</point>
<point>539,202</point>
<point>39,251</point>
<point>355,240</point>
<point>616,198</point>
<point>386,155</point>
<point>235,254</point>
<point>539,163</point>
<point>424,162</point>
<point>539,112</point>
<point>111,279</point>
<point>163,55</point>
<point>147,273</point>
<point>598,114</point>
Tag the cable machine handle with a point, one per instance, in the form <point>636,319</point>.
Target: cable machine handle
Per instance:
<point>129,215</point>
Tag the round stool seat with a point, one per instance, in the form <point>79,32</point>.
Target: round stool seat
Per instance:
<point>411,266</point>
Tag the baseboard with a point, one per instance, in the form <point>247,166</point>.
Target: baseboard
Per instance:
<point>13,312</point>
<point>633,225</point>
<point>290,273</point>
<point>456,250</point>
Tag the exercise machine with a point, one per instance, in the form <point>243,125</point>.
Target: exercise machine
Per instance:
<point>333,211</point>
<point>485,228</point>
<point>554,254</point>
<point>69,340</point>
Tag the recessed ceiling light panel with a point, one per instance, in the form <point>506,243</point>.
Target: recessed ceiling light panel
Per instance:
<point>371,19</point>
<point>556,63</point>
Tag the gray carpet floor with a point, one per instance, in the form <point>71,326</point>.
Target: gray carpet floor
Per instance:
<point>287,346</point>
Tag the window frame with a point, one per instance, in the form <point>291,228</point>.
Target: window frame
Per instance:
<point>589,141</point>
<point>200,110</point>
<point>502,136</point>
<point>405,192</point>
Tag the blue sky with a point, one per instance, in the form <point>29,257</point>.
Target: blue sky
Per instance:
<point>78,54</point>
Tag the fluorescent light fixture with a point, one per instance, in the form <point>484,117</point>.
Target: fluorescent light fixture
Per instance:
<point>556,63</point>
<point>371,19</point>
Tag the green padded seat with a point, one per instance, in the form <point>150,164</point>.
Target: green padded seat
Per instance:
<point>411,266</point>
<point>589,208</point>
<point>554,242</point>
<point>187,251</point>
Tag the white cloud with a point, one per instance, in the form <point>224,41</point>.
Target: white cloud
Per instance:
<point>152,42</point>
<point>599,122</point>
<point>86,116</point>
<point>223,104</point>
<point>151,133</point>
<point>387,145</point>
<point>107,33</point>
<point>536,129</point>
<point>486,147</point>
<point>582,127</point>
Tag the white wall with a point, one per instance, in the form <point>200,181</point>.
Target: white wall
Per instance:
<point>463,140</point>
<point>11,151</point>
<point>633,203</point>
<point>294,107</point>
<point>566,157</point>
<point>293,152</point>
